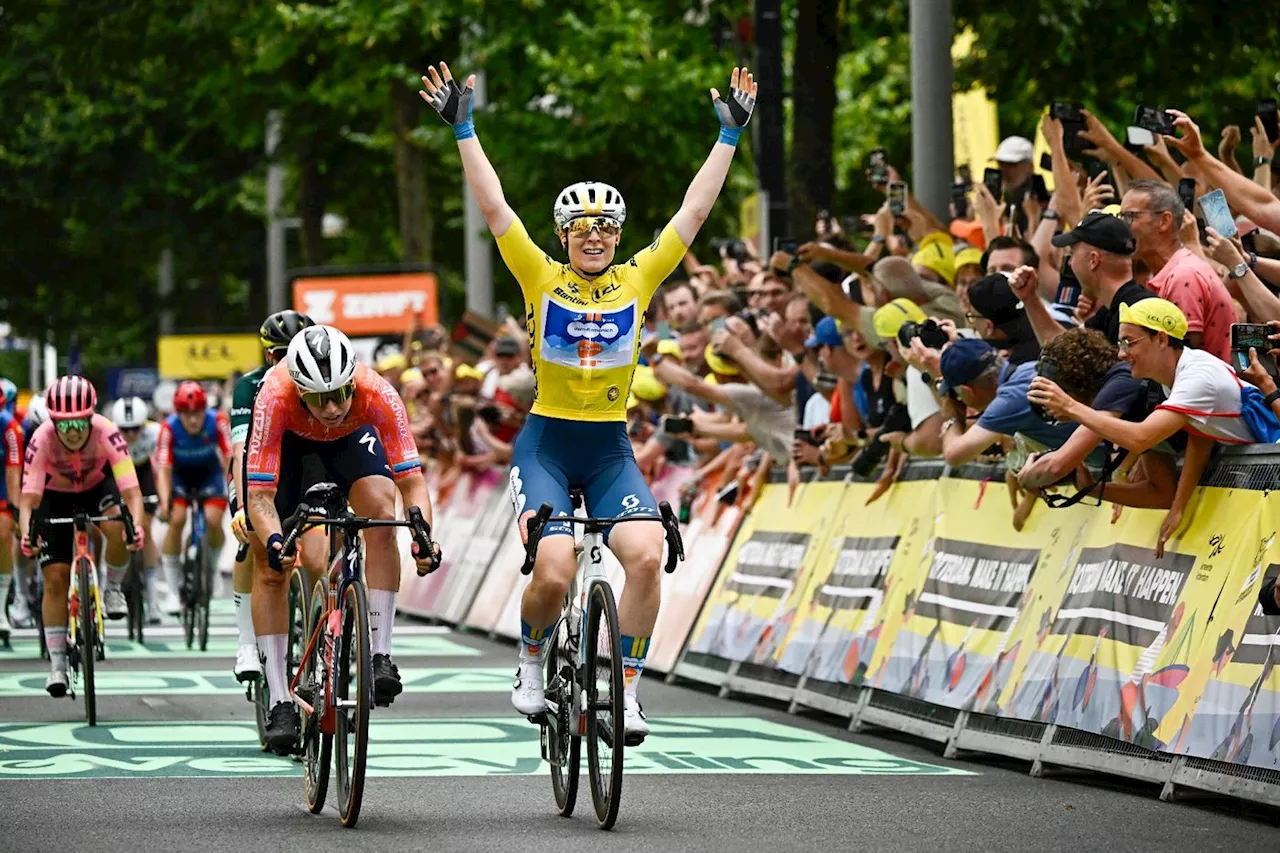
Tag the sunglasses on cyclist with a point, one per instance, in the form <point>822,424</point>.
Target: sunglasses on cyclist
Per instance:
<point>320,399</point>
<point>71,425</point>
<point>607,226</point>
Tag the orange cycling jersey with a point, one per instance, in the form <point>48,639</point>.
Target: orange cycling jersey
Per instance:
<point>279,409</point>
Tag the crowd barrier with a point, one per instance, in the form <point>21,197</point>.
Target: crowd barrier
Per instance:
<point>1067,643</point>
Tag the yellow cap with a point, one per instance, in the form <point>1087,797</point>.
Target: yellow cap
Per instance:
<point>394,361</point>
<point>968,256</point>
<point>1158,315</point>
<point>888,319</point>
<point>671,348</point>
<point>645,386</point>
<point>718,363</point>
<point>1113,209</point>
<point>710,379</point>
<point>467,371</point>
<point>413,374</point>
<point>936,254</point>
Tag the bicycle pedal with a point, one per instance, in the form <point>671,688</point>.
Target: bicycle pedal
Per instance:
<point>539,719</point>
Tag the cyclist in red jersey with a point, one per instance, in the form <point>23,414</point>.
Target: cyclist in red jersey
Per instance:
<point>66,471</point>
<point>321,402</point>
<point>10,484</point>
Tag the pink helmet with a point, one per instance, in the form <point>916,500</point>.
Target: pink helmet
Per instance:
<point>71,397</point>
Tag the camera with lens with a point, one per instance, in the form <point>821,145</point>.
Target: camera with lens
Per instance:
<point>732,246</point>
<point>1046,369</point>
<point>929,333</point>
<point>897,419</point>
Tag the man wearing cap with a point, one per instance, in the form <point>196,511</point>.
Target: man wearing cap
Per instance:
<point>1204,397</point>
<point>935,259</point>
<point>922,406</point>
<point>975,375</point>
<point>968,263</point>
<point>1014,155</point>
<point>1155,215</point>
<point>1008,317</point>
<point>506,360</point>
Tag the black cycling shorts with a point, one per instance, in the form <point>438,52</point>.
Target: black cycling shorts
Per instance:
<point>59,540</point>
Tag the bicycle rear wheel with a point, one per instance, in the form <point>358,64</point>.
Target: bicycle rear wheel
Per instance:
<point>317,747</point>
<point>206,593</point>
<point>564,746</point>
<point>189,593</point>
<point>88,632</point>
<point>133,589</point>
<point>604,703</point>
<point>355,686</point>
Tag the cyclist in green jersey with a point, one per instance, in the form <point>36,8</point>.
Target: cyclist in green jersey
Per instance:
<point>275,334</point>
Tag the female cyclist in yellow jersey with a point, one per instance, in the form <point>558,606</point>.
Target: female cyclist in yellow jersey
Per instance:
<point>584,320</point>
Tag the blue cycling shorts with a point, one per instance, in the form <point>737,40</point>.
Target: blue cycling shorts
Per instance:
<point>208,482</point>
<point>552,456</point>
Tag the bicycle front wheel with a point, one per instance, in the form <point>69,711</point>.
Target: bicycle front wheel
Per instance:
<point>189,593</point>
<point>317,747</point>
<point>564,745</point>
<point>202,599</point>
<point>604,703</point>
<point>87,639</point>
<point>354,701</point>
<point>134,586</point>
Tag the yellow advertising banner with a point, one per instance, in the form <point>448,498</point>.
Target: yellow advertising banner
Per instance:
<point>207,356</point>
<point>974,122</point>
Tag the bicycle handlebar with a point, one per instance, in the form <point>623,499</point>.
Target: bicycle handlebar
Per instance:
<point>305,518</point>
<point>125,518</point>
<point>670,525</point>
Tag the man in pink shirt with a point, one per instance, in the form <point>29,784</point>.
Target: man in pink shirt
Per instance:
<point>1154,214</point>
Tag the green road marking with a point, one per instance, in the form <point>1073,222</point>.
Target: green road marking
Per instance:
<point>108,682</point>
<point>478,746</point>
<point>170,647</point>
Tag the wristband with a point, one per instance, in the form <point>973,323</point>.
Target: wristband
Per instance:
<point>275,558</point>
<point>877,238</point>
<point>729,135</point>
<point>466,130</point>
<point>1272,397</point>
<point>1261,161</point>
<point>1050,215</point>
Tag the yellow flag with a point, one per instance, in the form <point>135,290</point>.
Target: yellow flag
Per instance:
<point>975,126</point>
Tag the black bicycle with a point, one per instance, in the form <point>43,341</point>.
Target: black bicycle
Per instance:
<point>333,685</point>
<point>584,678</point>
<point>134,585</point>
<point>197,578</point>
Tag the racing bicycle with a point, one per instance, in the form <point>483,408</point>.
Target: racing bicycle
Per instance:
<point>333,685</point>
<point>134,586</point>
<point>86,635</point>
<point>584,667</point>
<point>197,578</point>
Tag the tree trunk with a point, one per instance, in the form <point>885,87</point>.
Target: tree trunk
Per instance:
<point>812,180</point>
<point>313,194</point>
<point>411,176</point>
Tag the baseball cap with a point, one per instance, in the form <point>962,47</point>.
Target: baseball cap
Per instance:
<point>1014,149</point>
<point>993,298</point>
<point>936,254</point>
<point>718,363</point>
<point>825,334</point>
<point>888,319</point>
<point>467,371</point>
<point>966,257</point>
<point>1156,314</point>
<point>392,361</point>
<point>671,348</point>
<point>1102,231</point>
<point>506,346</point>
<point>964,361</point>
<point>645,386</point>
<point>970,231</point>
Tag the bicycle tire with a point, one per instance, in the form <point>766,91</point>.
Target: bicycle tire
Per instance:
<point>188,594</point>
<point>352,724</point>
<point>604,716</point>
<point>134,584</point>
<point>566,749</point>
<point>202,601</point>
<point>88,632</point>
<point>317,747</point>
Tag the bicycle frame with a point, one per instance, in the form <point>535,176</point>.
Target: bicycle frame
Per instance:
<point>590,572</point>
<point>82,556</point>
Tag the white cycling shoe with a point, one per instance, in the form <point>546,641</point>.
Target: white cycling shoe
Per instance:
<point>634,725</point>
<point>528,694</point>
<point>57,683</point>
<point>172,605</point>
<point>113,601</point>
<point>248,664</point>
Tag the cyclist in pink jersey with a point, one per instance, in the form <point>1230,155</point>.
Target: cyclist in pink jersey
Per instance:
<point>65,471</point>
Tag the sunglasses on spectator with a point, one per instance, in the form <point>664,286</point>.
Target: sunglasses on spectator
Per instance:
<point>607,226</point>
<point>71,425</point>
<point>320,399</point>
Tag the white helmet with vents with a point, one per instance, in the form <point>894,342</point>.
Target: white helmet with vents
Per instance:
<point>321,359</point>
<point>589,198</point>
<point>129,412</point>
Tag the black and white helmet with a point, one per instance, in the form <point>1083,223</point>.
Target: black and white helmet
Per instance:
<point>589,198</point>
<point>321,359</point>
<point>129,412</point>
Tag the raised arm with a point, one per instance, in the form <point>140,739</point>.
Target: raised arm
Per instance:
<point>454,106</point>
<point>705,189</point>
<point>1244,195</point>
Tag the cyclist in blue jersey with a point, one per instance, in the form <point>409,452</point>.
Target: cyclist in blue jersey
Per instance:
<point>191,458</point>
<point>584,320</point>
<point>11,449</point>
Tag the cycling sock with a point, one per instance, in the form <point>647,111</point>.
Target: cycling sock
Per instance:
<point>633,651</point>
<point>56,640</point>
<point>115,574</point>
<point>5,580</point>
<point>244,618</point>
<point>531,640</point>
<point>172,565</point>
<point>382,618</point>
<point>272,648</point>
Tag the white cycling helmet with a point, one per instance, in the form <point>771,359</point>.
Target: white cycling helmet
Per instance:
<point>129,412</point>
<point>589,198</point>
<point>321,359</point>
<point>37,410</point>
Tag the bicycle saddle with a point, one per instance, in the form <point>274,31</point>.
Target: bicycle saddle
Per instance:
<point>324,495</point>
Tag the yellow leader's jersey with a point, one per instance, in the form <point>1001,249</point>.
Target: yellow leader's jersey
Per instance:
<point>585,336</point>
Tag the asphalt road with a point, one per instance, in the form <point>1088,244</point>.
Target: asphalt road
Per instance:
<point>174,764</point>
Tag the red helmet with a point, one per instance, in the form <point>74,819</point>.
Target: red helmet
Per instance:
<point>71,397</point>
<point>190,397</point>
